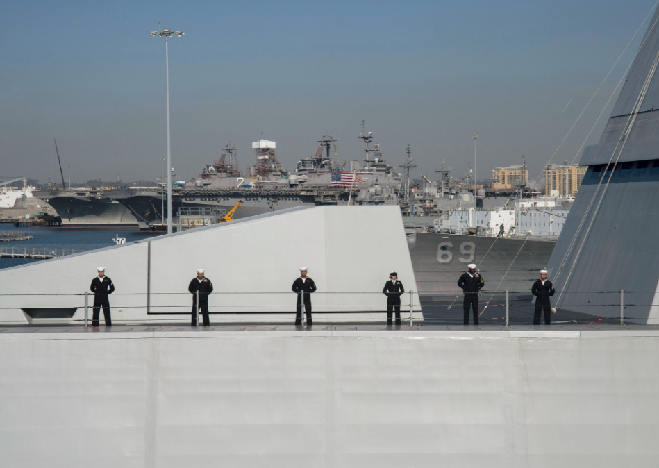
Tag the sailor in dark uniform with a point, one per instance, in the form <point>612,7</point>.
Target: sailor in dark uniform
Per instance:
<point>393,290</point>
<point>542,290</point>
<point>303,286</point>
<point>101,287</point>
<point>205,287</point>
<point>471,283</point>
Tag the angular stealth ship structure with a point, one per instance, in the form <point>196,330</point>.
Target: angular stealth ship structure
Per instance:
<point>608,252</point>
<point>252,263</point>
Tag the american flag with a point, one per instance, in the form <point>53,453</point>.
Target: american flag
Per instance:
<point>346,178</point>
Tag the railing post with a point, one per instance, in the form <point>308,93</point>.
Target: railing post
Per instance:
<point>148,278</point>
<point>303,309</point>
<point>197,308</point>
<point>622,307</point>
<point>411,308</point>
<point>507,309</point>
<point>86,307</point>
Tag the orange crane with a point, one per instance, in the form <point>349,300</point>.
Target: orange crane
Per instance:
<point>229,216</point>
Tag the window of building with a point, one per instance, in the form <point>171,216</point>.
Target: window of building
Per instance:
<point>641,168</point>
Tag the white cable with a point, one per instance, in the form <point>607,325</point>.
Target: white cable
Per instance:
<point>598,88</point>
<point>581,224</point>
<point>623,138</point>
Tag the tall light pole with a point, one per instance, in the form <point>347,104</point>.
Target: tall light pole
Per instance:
<point>162,198</point>
<point>475,137</point>
<point>167,33</point>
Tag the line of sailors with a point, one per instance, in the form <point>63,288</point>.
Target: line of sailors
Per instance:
<point>471,282</point>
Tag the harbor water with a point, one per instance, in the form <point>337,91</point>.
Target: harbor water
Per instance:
<point>58,239</point>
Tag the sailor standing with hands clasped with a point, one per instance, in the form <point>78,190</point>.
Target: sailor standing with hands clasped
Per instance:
<point>393,290</point>
<point>303,286</point>
<point>471,283</point>
<point>542,290</point>
<point>101,287</point>
<point>204,286</point>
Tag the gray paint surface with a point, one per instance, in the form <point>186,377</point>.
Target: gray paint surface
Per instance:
<point>520,398</point>
<point>617,246</point>
<point>643,141</point>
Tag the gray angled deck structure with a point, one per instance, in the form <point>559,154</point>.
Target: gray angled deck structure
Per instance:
<point>610,240</point>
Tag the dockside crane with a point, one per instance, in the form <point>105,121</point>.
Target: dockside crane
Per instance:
<point>229,216</point>
<point>60,166</point>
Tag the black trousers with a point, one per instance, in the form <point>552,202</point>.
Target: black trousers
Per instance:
<point>101,301</point>
<point>471,300</point>
<point>307,309</point>
<point>393,307</point>
<point>203,306</point>
<point>541,306</point>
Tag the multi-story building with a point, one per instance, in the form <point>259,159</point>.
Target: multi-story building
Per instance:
<point>511,177</point>
<point>563,180</point>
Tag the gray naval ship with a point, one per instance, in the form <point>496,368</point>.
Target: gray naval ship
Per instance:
<point>263,187</point>
<point>606,256</point>
<point>266,186</point>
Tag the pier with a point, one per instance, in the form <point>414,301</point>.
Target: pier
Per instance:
<point>36,254</point>
<point>9,236</point>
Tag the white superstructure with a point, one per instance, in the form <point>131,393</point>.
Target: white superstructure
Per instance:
<point>252,263</point>
<point>9,195</point>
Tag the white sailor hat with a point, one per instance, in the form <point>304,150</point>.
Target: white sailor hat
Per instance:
<point>200,270</point>
<point>471,266</point>
<point>543,271</point>
<point>393,273</point>
<point>100,269</point>
<point>303,268</point>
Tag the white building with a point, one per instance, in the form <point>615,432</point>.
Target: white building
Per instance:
<point>540,223</point>
<point>489,221</point>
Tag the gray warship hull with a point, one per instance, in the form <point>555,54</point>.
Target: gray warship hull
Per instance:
<point>146,206</point>
<point>92,212</point>
<point>506,264</point>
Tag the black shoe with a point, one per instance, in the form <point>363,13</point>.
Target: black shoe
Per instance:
<point>398,322</point>
<point>298,323</point>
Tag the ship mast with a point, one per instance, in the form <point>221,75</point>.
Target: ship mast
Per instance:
<point>408,165</point>
<point>232,151</point>
<point>368,138</point>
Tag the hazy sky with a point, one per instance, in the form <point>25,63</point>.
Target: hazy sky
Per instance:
<point>427,73</point>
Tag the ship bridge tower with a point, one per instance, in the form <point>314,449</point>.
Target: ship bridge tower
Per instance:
<point>267,164</point>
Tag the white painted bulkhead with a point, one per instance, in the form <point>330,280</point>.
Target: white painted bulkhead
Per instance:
<point>252,263</point>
